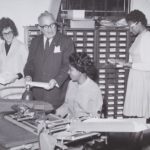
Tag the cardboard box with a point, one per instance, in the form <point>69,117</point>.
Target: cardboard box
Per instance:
<point>86,23</point>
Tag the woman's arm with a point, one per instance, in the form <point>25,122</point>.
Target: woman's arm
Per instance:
<point>120,62</point>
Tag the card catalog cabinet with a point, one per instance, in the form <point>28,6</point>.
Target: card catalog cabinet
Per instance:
<point>101,45</point>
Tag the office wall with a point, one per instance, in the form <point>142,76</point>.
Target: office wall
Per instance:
<point>23,12</point>
<point>143,5</point>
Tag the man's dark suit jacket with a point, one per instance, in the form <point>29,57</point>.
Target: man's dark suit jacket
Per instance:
<point>44,65</point>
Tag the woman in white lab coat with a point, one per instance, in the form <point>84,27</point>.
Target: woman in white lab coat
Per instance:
<point>13,56</point>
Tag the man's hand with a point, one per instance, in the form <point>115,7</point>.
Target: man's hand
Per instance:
<point>52,83</point>
<point>28,78</point>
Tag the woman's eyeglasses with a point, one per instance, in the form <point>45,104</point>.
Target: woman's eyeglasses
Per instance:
<point>7,33</point>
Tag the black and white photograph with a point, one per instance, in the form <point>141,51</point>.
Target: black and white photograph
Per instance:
<point>74,74</point>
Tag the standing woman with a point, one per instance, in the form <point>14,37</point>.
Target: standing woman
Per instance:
<point>13,56</point>
<point>137,102</point>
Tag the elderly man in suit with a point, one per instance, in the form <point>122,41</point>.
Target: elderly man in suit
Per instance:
<point>48,61</point>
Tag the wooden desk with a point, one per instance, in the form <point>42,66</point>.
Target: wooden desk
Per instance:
<point>13,136</point>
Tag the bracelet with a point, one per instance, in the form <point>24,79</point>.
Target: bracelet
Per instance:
<point>19,76</point>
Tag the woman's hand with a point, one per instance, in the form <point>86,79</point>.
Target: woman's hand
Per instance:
<point>116,61</point>
<point>120,62</point>
<point>11,79</point>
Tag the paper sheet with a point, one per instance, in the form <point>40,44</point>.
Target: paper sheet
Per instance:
<point>37,84</point>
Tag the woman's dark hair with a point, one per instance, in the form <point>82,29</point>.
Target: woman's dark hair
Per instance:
<point>6,23</point>
<point>83,63</point>
<point>137,16</point>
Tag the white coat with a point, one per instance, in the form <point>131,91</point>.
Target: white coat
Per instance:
<point>11,64</point>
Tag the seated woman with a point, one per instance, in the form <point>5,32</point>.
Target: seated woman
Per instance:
<point>83,97</point>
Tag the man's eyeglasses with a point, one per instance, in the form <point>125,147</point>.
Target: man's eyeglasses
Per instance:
<point>46,27</point>
<point>7,33</point>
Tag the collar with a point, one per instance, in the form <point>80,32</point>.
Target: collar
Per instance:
<point>84,84</point>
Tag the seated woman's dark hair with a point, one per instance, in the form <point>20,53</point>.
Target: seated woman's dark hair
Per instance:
<point>6,23</point>
<point>137,16</point>
<point>83,63</point>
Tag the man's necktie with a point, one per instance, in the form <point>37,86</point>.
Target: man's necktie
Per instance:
<point>47,44</point>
